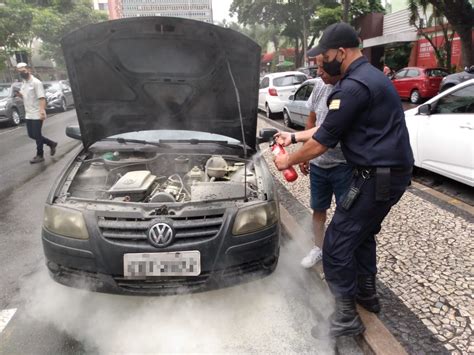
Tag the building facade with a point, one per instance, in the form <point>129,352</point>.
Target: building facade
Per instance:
<point>200,10</point>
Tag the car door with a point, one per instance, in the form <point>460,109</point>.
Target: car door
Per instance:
<point>297,105</point>
<point>397,81</point>
<point>262,92</point>
<point>412,80</point>
<point>304,110</point>
<point>446,136</point>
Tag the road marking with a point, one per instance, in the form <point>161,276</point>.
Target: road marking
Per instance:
<point>5,316</point>
<point>9,130</point>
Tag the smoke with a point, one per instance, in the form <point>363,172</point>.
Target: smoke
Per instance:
<point>270,315</point>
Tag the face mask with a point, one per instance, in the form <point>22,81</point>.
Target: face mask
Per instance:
<point>25,75</point>
<point>333,68</point>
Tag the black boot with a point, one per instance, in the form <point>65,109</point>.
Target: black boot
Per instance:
<point>346,320</point>
<point>366,293</point>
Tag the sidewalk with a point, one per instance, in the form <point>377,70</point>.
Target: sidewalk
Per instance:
<point>426,267</point>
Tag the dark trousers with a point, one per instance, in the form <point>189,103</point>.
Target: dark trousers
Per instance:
<point>349,246</point>
<point>33,128</point>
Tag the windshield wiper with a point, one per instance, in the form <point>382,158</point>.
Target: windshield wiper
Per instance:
<point>195,141</point>
<point>137,141</point>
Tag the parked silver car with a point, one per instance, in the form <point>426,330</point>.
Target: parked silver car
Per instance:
<point>58,95</point>
<point>295,111</point>
<point>12,109</point>
<point>453,79</point>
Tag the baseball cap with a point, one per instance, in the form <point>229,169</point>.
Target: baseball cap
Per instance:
<point>335,36</point>
<point>21,65</point>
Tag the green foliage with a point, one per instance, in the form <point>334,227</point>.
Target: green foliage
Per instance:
<point>326,16</point>
<point>23,21</point>
<point>397,56</point>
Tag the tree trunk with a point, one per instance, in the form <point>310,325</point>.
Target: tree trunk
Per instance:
<point>346,7</point>
<point>465,35</point>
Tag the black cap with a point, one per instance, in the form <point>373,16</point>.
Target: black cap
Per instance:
<point>336,35</point>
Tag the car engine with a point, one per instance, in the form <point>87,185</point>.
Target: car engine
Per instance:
<point>145,177</point>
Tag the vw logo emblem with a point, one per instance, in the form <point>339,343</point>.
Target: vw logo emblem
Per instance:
<point>160,235</point>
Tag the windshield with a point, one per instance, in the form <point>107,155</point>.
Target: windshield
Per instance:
<point>51,87</point>
<point>164,135</point>
<point>5,91</point>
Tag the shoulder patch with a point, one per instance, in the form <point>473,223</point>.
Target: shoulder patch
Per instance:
<point>335,104</point>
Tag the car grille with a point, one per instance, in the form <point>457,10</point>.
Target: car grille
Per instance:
<point>194,228</point>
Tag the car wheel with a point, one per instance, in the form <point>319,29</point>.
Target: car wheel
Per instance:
<point>286,119</point>
<point>16,119</point>
<point>415,97</point>
<point>269,112</point>
<point>63,105</point>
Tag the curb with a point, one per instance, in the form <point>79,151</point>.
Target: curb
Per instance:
<point>376,339</point>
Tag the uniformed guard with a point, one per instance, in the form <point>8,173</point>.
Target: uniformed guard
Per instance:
<point>366,117</point>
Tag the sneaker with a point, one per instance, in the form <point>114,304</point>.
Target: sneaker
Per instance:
<point>314,256</point>
<point>53,148</point>
<point>36,159</point>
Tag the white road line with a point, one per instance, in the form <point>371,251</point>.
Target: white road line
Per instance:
<point>5,316</point>
<point>9,130</point>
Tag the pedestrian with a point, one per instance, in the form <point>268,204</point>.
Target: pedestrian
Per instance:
<point>366,116</point>
<point>386,70</point>
<point>32,92</point>
<point>329,173</point>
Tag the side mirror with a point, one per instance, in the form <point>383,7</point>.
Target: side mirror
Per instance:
<point>266,134</point>
<point>424,110</point>
<point>291,98</point>
<point>73,132</point>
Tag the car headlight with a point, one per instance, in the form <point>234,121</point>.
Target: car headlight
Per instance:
<point>3,104</point>
<point>66,222</point>
<point>254,218</point>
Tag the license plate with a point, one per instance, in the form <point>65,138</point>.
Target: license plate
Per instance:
<point>182,263</point>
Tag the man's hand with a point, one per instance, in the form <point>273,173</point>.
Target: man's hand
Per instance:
<point>282,161</point>
<point>304,167</point>
<point>42,115</point>
<point>283,138</point>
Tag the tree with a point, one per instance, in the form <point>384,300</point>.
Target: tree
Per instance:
<point>460,15</point>
<point>436,20</point>
<point>291,16</point>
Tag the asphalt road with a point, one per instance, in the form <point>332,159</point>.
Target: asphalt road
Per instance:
<point>271,315</point>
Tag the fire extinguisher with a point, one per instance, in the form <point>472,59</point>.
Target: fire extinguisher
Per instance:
<point>290,173</point>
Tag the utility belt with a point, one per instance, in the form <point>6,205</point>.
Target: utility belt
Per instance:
<point>382,182</point>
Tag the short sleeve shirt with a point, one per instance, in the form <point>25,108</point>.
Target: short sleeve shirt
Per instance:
<point>317,103</point>
<point>32,90</point>
<point>366,116</point>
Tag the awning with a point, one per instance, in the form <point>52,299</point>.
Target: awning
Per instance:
<point>408,36</point>
<point>285,63</point>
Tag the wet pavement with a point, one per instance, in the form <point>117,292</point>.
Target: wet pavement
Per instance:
<point>426,267</point>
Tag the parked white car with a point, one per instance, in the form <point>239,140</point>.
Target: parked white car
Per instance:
<point>295,111</point>
<point>276,88</point>
<point>442,133</point>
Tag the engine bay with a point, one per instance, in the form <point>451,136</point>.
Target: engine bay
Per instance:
<point>151,177</point>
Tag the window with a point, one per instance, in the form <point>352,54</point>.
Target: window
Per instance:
<point>401,74</point>
<point>301,94</point>
<point>264,83</point>
<point>459,101</point>
<point>413,73</point>
<point>436,73</point>
<point>289,80</point>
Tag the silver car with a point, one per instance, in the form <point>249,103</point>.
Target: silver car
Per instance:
<point>295,111</point>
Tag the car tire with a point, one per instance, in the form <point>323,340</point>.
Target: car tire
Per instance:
<point>63,107</point>
<point>16,118</point>
<point>415,97</point>
<point>269,112</point>
<point>286,119</point>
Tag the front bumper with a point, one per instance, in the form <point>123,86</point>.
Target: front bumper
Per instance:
<point>97,264</point>
<point>5,115</point>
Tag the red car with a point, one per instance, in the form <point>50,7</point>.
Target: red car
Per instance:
<point>416,83</point>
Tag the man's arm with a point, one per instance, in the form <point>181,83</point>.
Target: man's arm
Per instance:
<point>311,149</point>
<point>42,108</point>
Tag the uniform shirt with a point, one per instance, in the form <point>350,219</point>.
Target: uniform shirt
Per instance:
<point>366,116</point>
<point>317,103</point>
<point>32,90</point>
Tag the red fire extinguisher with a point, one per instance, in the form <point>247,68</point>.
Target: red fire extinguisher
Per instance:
<point>290,173</point>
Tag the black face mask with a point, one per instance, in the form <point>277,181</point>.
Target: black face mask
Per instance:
<point>333,68</point>
<point>25,75</point>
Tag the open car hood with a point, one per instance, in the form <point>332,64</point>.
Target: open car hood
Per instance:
<point>162,73</point>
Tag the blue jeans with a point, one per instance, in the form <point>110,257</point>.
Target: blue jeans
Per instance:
<point>33,128</point>
<point>326,182</point>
